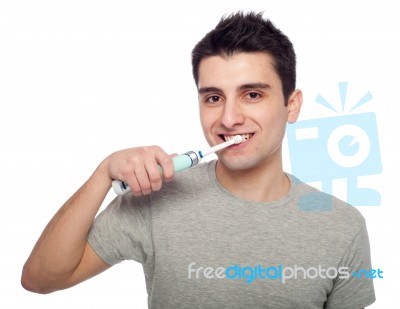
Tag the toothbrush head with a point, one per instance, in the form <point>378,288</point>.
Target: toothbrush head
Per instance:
<point>238,139</point>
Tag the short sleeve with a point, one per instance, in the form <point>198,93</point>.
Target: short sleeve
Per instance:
<point>123,230</point>
<point>354,290</point>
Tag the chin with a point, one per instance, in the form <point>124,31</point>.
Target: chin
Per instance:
<point>237,164</point>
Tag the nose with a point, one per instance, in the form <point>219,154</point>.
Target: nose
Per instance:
<point>232,114</point>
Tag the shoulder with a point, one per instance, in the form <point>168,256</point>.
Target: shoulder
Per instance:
<point>328,210</point>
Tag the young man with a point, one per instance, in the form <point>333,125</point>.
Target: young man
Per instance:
<point>225,234</point>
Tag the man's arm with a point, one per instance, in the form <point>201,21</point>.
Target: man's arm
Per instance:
<point>62,257</point>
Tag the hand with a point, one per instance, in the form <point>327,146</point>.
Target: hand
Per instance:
<point>139,168</point>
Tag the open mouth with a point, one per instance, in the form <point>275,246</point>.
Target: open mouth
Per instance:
<point>245,137</point>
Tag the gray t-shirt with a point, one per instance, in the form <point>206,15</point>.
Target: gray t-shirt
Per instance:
<point>203,247</point>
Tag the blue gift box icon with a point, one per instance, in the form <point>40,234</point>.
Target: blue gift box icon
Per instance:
<point>345,146</point>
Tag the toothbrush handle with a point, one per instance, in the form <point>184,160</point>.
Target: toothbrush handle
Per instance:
<point>181,162</point>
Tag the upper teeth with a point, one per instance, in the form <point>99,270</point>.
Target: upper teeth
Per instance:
<point>245,137</point>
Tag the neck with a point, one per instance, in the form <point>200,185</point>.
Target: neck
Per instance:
<point>264,183</point>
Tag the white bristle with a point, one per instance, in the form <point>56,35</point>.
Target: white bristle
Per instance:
<point>238,139</point>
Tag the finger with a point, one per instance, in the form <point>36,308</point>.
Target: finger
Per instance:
<point>154,174</point>
<point>134,185</point>
<point>167,166</point>
<point>142,178</point>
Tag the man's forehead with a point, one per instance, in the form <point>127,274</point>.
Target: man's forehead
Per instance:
<point>241,70</point>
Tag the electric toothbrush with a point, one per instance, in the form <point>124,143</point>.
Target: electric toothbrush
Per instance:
<point>182,162</point>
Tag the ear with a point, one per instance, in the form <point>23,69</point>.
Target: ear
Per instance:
<point>294,105</point>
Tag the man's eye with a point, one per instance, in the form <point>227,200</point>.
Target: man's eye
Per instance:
<point>253,95</point>
<point>213,99</point>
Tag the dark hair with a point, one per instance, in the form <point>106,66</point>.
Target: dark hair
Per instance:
<point>249,32</point>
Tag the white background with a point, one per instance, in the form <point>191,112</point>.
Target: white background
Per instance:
<point>81,79</point>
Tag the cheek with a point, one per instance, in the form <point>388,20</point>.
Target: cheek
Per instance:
<point>273,123</point>
<point>208,117</point>
<point>203,118</point>
<point>206,122</point>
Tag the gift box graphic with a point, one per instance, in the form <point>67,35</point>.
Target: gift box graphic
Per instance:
<point>343,146</point>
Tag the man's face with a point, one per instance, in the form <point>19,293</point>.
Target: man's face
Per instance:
<point>242,94</point>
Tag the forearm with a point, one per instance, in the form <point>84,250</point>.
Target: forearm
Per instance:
<point>61,256</point>
<point>59,249</point>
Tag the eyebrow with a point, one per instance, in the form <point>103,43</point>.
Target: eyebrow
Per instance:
<point>254,86</point>
<point>208,90</point>
<point>240,88</point>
